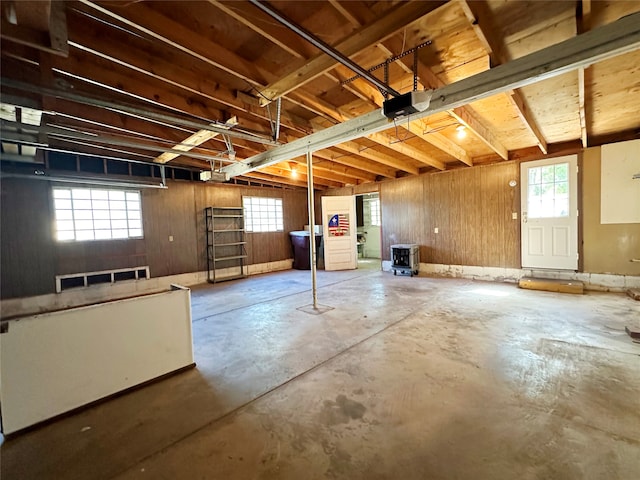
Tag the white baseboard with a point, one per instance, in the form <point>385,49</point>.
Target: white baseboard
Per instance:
<point>13,307</point>
<point>592,281</point>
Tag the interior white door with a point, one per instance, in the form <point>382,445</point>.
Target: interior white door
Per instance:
<point>549,213</point>
<point>339,232</point>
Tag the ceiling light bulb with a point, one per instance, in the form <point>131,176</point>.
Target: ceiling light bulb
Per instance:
<point>461,131</point>
<point>294,173</point>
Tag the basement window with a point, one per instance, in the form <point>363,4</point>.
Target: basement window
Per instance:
<point>263,214</point>
<point>97,214</point>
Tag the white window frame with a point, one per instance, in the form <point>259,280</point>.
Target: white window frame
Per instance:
<point>374,212</point>
<point>263,214</point>
<point>94,214</point>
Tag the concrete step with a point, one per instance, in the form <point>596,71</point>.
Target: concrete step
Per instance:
<point>634,293</point>
<point>551,285</point>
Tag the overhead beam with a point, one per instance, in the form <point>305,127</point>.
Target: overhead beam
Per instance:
<point>383,46</point>
<point>354,161</point>
<point>581,107</point>
<point>583,21</point>
<point>180,37</point>
<point>419,129</point>
<point>192,141</point>
<point>605,42</point>
<point>465,117</point>
<point>122,107</point>
<point>139,15</point>
<point>524,112</point>
<point>41,25</point>
<point>89,37</point>
<point>406,149</point>
<point>484,28</point>
<point>306,70</point>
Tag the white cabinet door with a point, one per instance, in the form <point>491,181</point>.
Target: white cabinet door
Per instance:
<point>549,213</point>
<point>339,232</point>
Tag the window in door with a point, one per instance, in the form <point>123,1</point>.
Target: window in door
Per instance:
<point>549,191</point>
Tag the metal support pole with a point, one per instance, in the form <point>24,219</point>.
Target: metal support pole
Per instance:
<point>312,224</point>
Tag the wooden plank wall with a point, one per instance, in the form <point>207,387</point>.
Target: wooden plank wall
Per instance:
<point>471,208</point>
<point>25,238</point>
<point>261,247</point>
<point>31,257</point>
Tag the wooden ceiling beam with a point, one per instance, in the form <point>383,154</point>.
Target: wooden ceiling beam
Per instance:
<point>156,25</point>
<point>420,128</point>
<point>282,37</point>
<point>406,149</point>
<point>345,158</point>
<point>583,24</point>
<point>193,141</point>
<point>462,114</point>
<point>615,39</point>
<point>399,147</point>
<point>276,179</point>
<point>479,16</point>
<point>328,174</point>
<point>306,70</point>
<point>176,35</point>
<point>465,116</point>
<point>299,176</point>
<point>392,161</point>
<point>349,174</point>
<point>89,36</point>
<point>385,47</point>
<point>39,24</point>
<point>85,67</point>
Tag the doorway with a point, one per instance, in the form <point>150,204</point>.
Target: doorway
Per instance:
<point>369,222</point>
<point>550,213</point>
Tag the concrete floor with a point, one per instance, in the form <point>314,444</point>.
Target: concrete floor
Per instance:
<point>406,378</point>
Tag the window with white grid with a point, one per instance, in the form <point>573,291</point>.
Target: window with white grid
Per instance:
<point>374,206</point>
<point>97,214</point>
<point>262,214</point>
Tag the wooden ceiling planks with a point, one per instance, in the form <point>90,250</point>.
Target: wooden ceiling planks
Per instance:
<point>209,59</point>
<point>614,102</point>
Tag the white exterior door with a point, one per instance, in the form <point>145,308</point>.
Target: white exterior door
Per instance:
<point>550,213</point>
<point>339,232</point>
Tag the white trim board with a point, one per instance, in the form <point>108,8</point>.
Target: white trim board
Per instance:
<point>592,281</point>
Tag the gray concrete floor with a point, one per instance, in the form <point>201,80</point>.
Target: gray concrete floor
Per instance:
<point>405,378</point>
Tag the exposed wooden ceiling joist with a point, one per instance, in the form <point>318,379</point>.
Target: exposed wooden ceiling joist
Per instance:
<point>204,62</point>
<point>368,36</point>
<point>605,42</point>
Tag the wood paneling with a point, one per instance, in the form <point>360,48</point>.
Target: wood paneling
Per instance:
<point>261,247</point>
<point>170,213</point>
<point>31,258</point>
<point>402,213</point>
<point>26,238</point>
<point>471,208</point>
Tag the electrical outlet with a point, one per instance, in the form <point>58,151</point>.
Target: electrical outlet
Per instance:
<point>435,230</point>
<point>171,238</point>
<point>514,215</point>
